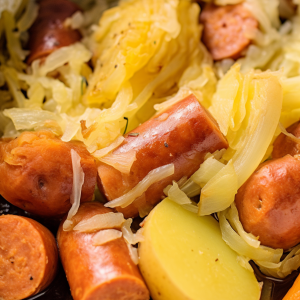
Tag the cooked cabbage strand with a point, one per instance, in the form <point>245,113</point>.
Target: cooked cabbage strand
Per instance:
<point>247,108</point>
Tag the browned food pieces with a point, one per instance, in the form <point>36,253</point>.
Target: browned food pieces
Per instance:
<point>227,30</point>
<point>269,203</point>
<point>37,175</point>
<point>284,145</point>
<point>287,9</point>
<point>48,32</point>
<point>103,272</point>
<point>28,257</point>
<point>183,136</point>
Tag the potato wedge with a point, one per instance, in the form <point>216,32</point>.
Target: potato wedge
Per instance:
<point>183,256</point>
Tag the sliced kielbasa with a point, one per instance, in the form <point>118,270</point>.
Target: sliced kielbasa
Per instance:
<point>37,168</point>
<point>284,145</point>
<point>269,203</point>
<point>227,30</point>
<point>28,257</point>
<point>48,32</point>
<point>98,272</point>
<point>183,136</point>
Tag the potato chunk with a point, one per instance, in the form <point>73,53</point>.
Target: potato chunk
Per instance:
<point>183,256</point>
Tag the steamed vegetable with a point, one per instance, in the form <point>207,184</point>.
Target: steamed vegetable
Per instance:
<point>183,256</point>
<point>143,52</point>
<point>247,109</point>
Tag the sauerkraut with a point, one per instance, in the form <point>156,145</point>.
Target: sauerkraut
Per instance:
<point>146,56</point>
<point>134,69</point>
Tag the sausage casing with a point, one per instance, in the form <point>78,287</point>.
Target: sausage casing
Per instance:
<point>48,32</point>
<point>37,168</point>
<point>98,272</point>
<point>226,30</point>
<point>28,257</point>
<point>183,137</point>
<point>284,145</point>
<point>269,203</point>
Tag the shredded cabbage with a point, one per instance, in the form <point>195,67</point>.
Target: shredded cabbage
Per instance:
<point>107,235</point>
<point>249,119</point>
<point>137,65</point>
<point>129,236</point>
<point>133,252</point>
<point>238,244</point>
<point>248,247</point>
<point>219,192</point>
<point>208,169</point>
<point>101,221</point>
<point>100,153</point>
<point>178,196</point>
<point>291,136</point>
<point>152,177</point>
<point>78,180</point>
<point>121,161</point>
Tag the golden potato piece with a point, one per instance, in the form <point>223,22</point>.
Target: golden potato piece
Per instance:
<point>183,256</point>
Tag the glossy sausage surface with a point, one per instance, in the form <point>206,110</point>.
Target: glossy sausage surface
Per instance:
<point>227,29</point>
<point>269,203</point>
<point>37,168</point>
<point>28,257</point>
<point>284,145</point>
<point>48,32</point>
<point>103,272</point>
<point>183,137</point>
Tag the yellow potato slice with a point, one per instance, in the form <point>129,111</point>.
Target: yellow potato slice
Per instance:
<point>183,256</point>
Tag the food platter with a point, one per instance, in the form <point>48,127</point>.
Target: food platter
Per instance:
<point>111,128</point>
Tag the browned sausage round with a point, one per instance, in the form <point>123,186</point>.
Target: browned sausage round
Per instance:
<point>269,203</point>
<point>284,145</point>
<point>183,138</point>
<point>38,173</point>
<point>28,257</point>
<point>48,32</point>
<point>226,30</point>
<point>98,272</point>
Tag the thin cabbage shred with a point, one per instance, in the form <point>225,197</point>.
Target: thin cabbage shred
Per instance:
<point>78,180</point>
<point>133,252</point>
<point>129,236</point>
<point>177,194</point>
<point>101,221</point>
<point>121,161</point>
<point>107,235</point>
<point>248,247</point>
<point>291,136</point>
<point>153,176</point>
<point>100,153</point>
<point>248,116</point>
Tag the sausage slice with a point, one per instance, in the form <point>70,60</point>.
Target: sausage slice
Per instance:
<point>284,145</point>
<point>48,32</point>
<point>28,257</point>
<point>98,272</point>
<point>269,203</point>
<point>183,136</point>
<point>37,168</point>
<point>227,29</point>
